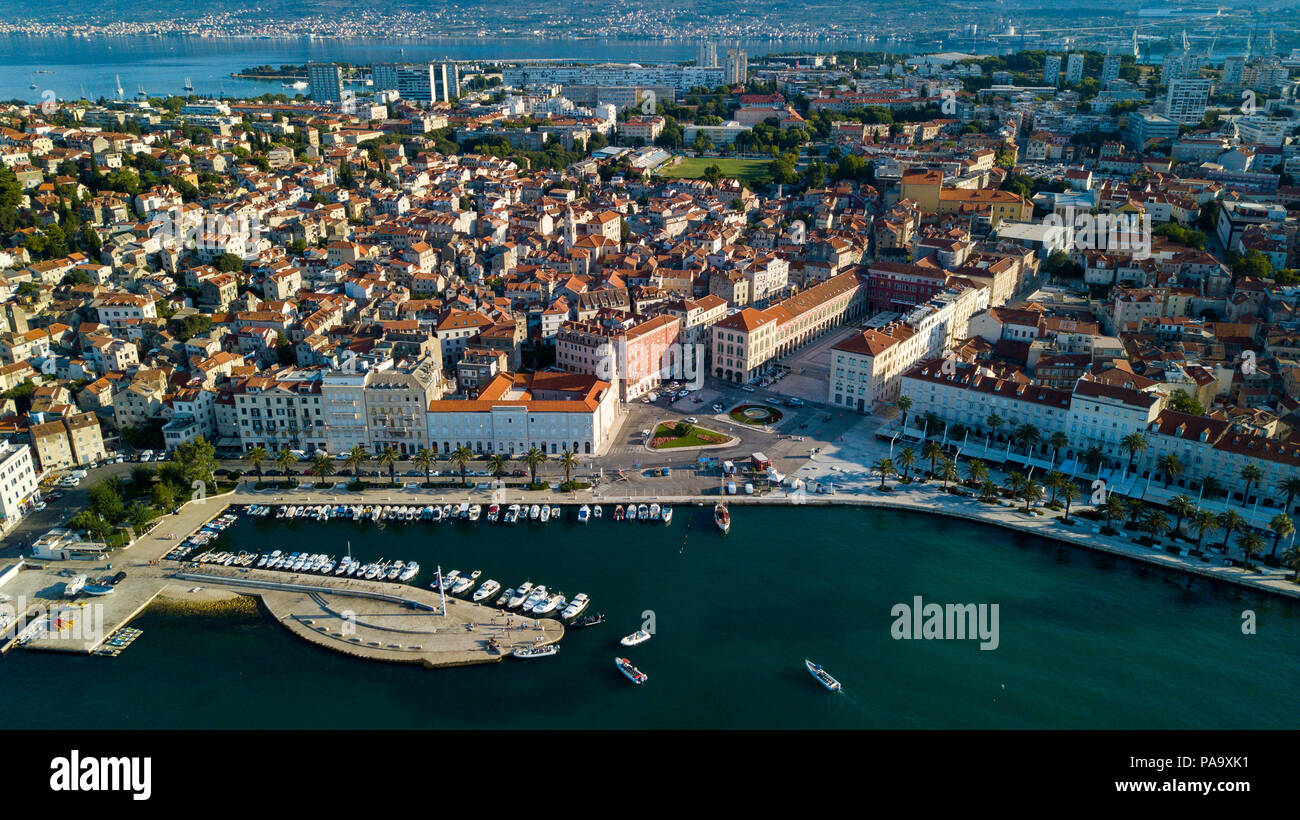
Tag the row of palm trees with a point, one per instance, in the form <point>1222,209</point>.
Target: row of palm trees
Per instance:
<point>1062,487</point>
<point>1170,466</point>
<point>322,466</point>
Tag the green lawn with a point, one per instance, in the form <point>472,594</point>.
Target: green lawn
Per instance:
<point>666,437</point>
<point>750,170</point>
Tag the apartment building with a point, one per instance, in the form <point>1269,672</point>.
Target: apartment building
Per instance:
<point>67,442</point>
<point>18,482</point>
<point>381,404</point>
<point>281,411</point>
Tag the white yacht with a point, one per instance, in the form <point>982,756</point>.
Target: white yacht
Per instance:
<point>475,510</point>
<point>521,595</point>
<point>640,636</point>
<point>584,514</point>
<point>488,589</point>
<point>576,606</point>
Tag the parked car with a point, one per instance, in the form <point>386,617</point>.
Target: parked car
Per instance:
<point>717,408</point>
<point>692,420</point>
<point>747,388</point>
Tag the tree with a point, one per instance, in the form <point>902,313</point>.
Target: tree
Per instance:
<point>424,460</point>
<point>138,514</point>
<point>1056,441</point>
<point>197,460</point>
<point>1204,521</point>
<point>885,467</point>
<point>1055,481</point>
<point>977,471</point>
<point>1132,444</point>
<point>1211,487</point>
<point>1290,486</point>
<point>1251,474</point>
<point>164,496</point>
<point>255,457</point>
<point>904,404</point>
<point>461,457</point>
<point>948,471</point>
<point>1069,494</point>
<point>497,464</point>
<point>932,450</point>
<point>1251,544</point>
<point>906,458</point>
<point>356,457</point>
<point>1155,522</point>
<point>994,422</point>
<point>322,466</point>
<point>1182,507</point>
<point>1184,403</point>
<point>92,523</point>
<point>285,460</point>
<point>1031,492</point>
<point>1093,458</point>
<point>988,490</point>
<point>388,458</point>
<point>1281,525</point>
<point>1171,465</point>
<point>533,458</point>
<point>1229,521</point>
<point>106,501</point>
<point>229,263</point>
<point>1113,506</point>
<point>1292,560</point>
<point>568,461</point>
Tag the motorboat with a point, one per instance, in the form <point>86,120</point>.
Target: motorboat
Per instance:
<point>643,512</point>
<point>546,651</point>
<point>589,620</point>
<point>488,589</point>
<point>412,569</point>
<point>505,597</point>
<point>823,677</point>
<point>597,512</point>
<point>545,514</point>
<point>654,512</point>
<point>521,595</point>
<point>584,514</point>
<point>618,512</point>
<point>549,605</point>
<point>493,512</point>
<point>534,512</point>
<point>462,585</point>
<point>666,513</point>
<point>536,598</point>
<point>630,672</point>
<point>475,510</point>
<point>640,636</point>
<point>576,606</point>
<point>555,511</point>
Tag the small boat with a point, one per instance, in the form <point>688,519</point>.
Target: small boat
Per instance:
<point>475,511</point>
<point>493,512</point>
<point>521,595</point>
<point>537,651</point>
<point>822,676</point>
<point>435,515</point>
<point>597,512</point>
<point>505,597</point>
<point>584,514</point>
<point>545,514</point>
<point>488,589</point>
<point>534,512</point>
<point>722,518</point>
<point>549,605</point>
<point>654,512</point>
<point>618,512</point>
<point>630,672</point>
<point>666,513</point>
<point>412,570</point>
<point>462,585</point>
<point>555,511</point>
<point>643,512</point>
<point>189,86</point>
<point>589,620</point>
<point>640,636</point>
<point>97,589</point>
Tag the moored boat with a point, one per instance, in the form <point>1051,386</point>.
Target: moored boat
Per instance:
<point>584,514</point>
<point>640,636</point>
<point>666,513</point>
<point>488,589</point>
<point>537,651</point>
<point>721,517</point>
<point>589,620</point>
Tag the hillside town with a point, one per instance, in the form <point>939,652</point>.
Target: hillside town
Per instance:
<point>1072,261</point>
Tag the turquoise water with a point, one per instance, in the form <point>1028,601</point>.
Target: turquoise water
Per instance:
<point>1086,641</point>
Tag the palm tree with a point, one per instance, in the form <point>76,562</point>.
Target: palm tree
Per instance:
<point>885,467</point>
<point>356,457</point>
<point>1211,487</point>
<point>1251,544</point>
<point>1093,458</point>
<point>461,457</point>
<point>904,404</point>
<point>994,421</point>
<point>906,458</point>
<point>932,450</point>
<point>1055,481</point>
<point>532,458</point>
<point>1205,521</point>
<point>1182,506</point>
<point>568,461</point>
<point>388,458</point>
<point>1057,440</point>
<point>424,460</point>
<point>1251,474</point>
<point>1015,483</point>
<point>1229,520</point>
<point>977,471</point>
<point>284,460</point>
<point>497,464</point>
<point>1155,522</point>
<point>1292,559</point>
<point>255,457</point>
<point>322,466</point>
<point>988,490</point>
<point>1133,508</point>
<point>1027,436</point>
<point>1132,444</point>
<point>1069,494</point>
<point>948,471</point>
<point>1290,486</point>
<point>933,424</point>
<point>1113,506</point>
<point>1281,524</point>
<point>1171,465</point>
<point>1032,493</point>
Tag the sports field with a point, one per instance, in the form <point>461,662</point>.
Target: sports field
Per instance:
<point>750,170</point>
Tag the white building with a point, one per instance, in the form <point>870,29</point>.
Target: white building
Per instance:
<point>515,412</point>
<point>18,482</point>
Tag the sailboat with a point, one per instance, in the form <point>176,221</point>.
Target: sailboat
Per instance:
<point>117,78</point>
<point>189,86</point>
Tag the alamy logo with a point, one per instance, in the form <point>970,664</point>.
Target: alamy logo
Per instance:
<point>945,622</point>
<point>1086,231</point>
<point>75,773</point>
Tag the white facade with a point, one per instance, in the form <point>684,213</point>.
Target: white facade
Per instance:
<point>17,481</point>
